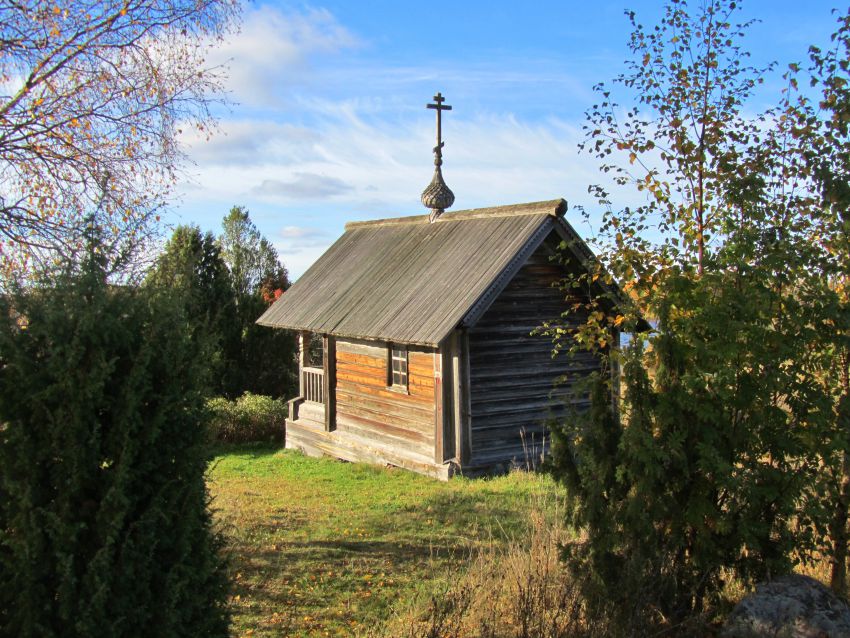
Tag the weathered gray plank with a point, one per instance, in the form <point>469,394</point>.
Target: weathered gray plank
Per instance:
<point>398,282</point>
<point>315,441</point>
<point>512,372</point>
<point>329,362</point>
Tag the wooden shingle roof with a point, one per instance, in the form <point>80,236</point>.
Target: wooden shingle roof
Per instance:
<point>406,280</point>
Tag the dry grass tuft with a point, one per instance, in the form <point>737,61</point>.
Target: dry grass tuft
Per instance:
<point>514,588</point>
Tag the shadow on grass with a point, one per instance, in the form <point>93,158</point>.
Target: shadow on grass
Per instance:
<point>503,514</point>
<point>255,450</point>
<point>329,578</point>
<point>330,546</point>
<point>306,555</point>
<point>379,552</point>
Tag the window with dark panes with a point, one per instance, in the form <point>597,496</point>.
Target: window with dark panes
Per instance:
<point>398,366</point>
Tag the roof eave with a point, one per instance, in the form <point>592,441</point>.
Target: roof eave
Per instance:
<point>346,335</point>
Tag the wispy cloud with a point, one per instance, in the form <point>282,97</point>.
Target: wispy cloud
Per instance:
<point>302,186</point>
<point>336,151</point>
<point>301,233</point>
<point>297,239</point>
<point>252,142</point>
<point>300,246</point>
<point>273,51</point>
<point>349,158</point>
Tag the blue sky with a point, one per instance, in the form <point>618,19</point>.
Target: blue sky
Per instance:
<point>328,122</point>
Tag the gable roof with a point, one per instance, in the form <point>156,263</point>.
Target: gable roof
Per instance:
<point>406,280</point>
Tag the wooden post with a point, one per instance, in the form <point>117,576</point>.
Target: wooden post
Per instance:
<point>458,397</point>
<point>438,406</point>
<point>447,350</point>
<point>303,360</point>
<point>465,425</point>
<point>329,380</point>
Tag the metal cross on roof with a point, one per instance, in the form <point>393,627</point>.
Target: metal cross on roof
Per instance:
<point>437,196</point>
<point>440,107</point>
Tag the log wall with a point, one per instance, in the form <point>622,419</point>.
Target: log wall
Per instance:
<point>512,373</point>
<point>404,422</point>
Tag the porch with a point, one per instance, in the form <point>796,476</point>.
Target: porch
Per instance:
<point>308,409</point>
<point>314,427</point>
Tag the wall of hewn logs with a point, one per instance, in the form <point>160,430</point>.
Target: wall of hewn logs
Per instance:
<point>512,373</point>
<point>391,418</point>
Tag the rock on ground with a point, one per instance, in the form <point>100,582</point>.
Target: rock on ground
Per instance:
<point>789,607</point>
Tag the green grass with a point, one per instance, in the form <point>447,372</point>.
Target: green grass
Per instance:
<point>319,547</point>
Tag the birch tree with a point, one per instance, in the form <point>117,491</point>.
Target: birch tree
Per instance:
<point>93,96</point>
<point>723,425</point>
<point>822,131</point>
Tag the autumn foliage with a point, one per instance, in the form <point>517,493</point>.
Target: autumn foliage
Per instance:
<point>727,456</point>
<point>94,95</point>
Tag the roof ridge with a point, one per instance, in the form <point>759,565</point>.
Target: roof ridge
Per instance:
<point>553,207</point>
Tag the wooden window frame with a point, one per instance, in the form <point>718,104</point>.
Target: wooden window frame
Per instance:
<point>398,367</point>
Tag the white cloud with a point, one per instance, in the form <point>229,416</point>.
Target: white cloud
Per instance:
<point>308,165</point>
<point>378,169</point>
<point>273,50</point>
<point>300,239</point>
<point>298,259</point>
<point>300,246</point>
<point>302,186</point>
<point>249,142</point>
<point>301,232</point>
<point>488,160</point>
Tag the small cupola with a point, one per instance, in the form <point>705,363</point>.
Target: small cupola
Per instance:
<point>437,196</point>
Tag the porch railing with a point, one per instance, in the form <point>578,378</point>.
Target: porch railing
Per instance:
<point>313,384</point>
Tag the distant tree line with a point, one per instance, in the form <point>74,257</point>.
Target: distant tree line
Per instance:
<point>227,283</point>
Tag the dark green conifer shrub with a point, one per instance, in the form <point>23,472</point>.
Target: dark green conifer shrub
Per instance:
<point>105,527</point>
<point>703,475</point>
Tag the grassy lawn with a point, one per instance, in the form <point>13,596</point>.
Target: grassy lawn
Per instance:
<point>325,548</point>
